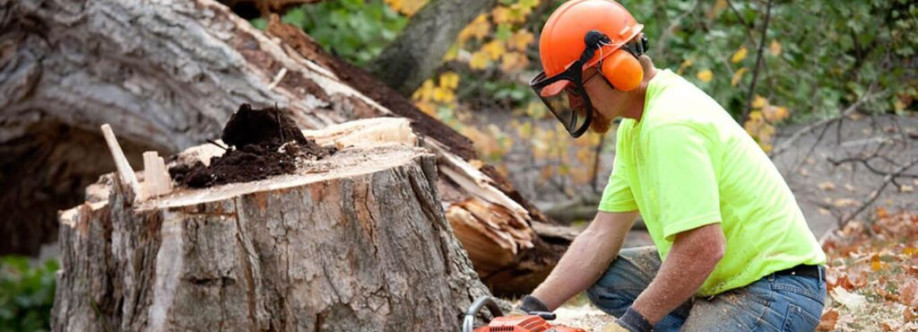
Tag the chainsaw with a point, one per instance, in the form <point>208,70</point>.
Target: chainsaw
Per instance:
<point>535,322</point>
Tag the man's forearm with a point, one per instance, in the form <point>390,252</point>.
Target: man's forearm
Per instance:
<point>690,261</point>
<point>585,260</point>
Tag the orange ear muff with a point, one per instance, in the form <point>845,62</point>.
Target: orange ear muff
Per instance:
<point>622,70</point>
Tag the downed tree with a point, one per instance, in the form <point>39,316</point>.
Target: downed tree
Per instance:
<point>167,75</point>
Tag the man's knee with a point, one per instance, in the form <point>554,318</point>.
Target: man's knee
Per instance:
<point>610,300</point>
<point>625,278</point>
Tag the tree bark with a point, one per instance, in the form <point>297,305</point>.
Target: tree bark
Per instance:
<point>419,49</point>
<point>168,74</point>
<point>354,242</point>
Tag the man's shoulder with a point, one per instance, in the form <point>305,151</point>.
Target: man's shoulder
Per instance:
<point>682,103</point>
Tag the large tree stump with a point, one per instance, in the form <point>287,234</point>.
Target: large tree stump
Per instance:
<point>354,242</point>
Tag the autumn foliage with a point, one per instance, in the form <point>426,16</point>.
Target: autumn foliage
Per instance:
<point>872,277</point>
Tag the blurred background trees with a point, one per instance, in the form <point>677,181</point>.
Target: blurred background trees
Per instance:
<point>767,62</point>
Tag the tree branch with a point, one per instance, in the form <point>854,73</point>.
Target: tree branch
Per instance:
<point>758,64</point>
<point>876,193</point>
<point>805,130</point>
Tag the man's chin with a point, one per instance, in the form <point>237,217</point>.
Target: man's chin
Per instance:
<point>600,124</point>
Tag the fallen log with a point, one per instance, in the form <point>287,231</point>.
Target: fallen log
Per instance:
<point>356,241</point>
<point>168,74</point>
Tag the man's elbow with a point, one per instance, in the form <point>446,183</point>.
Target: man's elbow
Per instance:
<point>707,245</point>
<point>716,248</point>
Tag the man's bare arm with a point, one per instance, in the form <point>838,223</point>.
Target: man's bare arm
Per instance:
<point>690,261</point>
<point>586,259</point>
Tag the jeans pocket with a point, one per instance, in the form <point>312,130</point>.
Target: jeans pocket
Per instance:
<point>798,319</point>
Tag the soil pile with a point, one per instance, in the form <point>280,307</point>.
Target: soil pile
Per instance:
<point>262,143</point>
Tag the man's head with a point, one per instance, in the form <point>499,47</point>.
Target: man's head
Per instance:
<point>589,51</point>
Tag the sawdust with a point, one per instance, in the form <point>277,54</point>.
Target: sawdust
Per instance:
<point>263,143</point>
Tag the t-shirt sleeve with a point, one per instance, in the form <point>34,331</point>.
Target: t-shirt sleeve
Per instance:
<point>684,179</point>
<point>617,196</point>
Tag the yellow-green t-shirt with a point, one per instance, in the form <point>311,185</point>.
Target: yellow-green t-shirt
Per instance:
<point>687,164</point>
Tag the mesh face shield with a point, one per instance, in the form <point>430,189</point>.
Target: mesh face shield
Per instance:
<point>566,98</point>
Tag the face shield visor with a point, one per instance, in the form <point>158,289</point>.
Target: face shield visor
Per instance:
<point>566,98</point>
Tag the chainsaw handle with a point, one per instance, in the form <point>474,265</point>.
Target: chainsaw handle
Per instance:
<point>468,323</point>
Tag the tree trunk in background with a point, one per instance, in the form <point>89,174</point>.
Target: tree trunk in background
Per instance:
<point>419,49</point>
<point>362,245</point>
<point>167,75</point>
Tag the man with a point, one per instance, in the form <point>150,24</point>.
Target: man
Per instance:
<point>732,249</point>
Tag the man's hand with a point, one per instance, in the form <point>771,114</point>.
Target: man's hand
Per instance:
<point>529,306</point>
<point>631,321</point>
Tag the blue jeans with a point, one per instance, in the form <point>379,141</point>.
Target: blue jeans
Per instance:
<point>773,303</point>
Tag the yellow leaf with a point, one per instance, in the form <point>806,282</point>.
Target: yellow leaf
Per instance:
<point>705,75</point>
<point>737,76</point>
<point>449,80</point>
<point>718,7</point>
<point>774,113</point>
<point>759,102</point>
<point>438,94</point>
<point>775,48</point>
<point>520,40</point>
<point>494,49</point>
<point>479,28</point>
<point>426,107</point>
<point>425,92</point>
<point>739,55</point>
<point>501,14</point>
<point>479,60</point>
<point>513,62</point>
<point>406,7</point>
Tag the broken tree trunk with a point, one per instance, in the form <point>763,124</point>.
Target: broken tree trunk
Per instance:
<point>167,75</point>
<point>357,241</point>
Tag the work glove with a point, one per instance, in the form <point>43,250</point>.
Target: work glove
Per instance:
<point>631,321</point>
<point>530,305</point>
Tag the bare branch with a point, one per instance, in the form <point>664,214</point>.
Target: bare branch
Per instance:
<point>805,130</point>
<point>758,64</point>
<point>876,193</point>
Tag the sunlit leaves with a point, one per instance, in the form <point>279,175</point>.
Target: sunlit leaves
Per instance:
<point>479,28</point>
<point>760,124</point>
<point>705,75</point>
<point>737,76</point>
<point>739,55</point>
<point>520,40</point>
<point>775,48</point>
<point>407,7</point>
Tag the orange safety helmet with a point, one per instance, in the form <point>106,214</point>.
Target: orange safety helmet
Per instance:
<point>586,33</point>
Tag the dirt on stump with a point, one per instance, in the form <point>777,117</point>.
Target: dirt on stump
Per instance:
<point>262,143</point>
